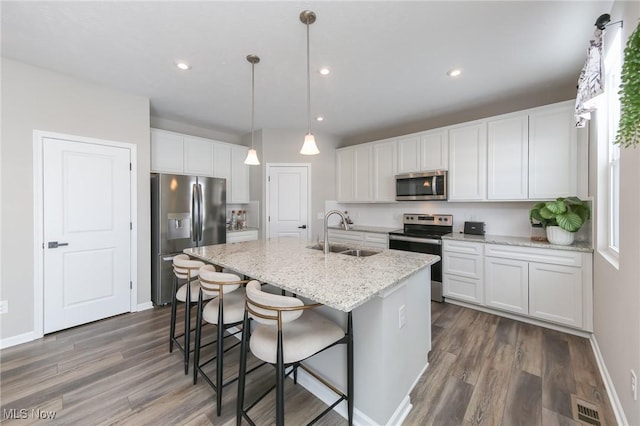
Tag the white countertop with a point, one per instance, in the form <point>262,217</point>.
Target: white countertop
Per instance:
<point>366,228</point>
<point>518,241</point>
<point>339,281</point>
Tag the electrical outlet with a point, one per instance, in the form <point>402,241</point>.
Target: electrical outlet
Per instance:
<point>402,319</point>
<point>4,306</point>
<point>634,385</point>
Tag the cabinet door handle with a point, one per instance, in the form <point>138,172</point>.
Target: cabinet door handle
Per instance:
<point>302,227</point>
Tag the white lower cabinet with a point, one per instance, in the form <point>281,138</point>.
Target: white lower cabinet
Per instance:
<point>550,285</point>
<point>462,271</point>
<point>239,236</point>
<point>361,238</point>
<point>555,293</point>
<point>506,284</point>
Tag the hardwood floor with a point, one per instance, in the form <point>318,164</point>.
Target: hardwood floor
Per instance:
<point>484,370</point>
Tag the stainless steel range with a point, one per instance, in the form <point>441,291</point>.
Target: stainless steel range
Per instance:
<point>422,233</point>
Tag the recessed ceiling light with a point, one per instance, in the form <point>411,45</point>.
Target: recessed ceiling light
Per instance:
<point>319,118</point>
<point>454,72</point>
<point>183,65</point>
<point>325,71</point>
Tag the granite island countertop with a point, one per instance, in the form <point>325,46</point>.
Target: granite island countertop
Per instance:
<point>336,280</point>
<point>581,246</point>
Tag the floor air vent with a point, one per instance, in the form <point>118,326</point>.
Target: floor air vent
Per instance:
<point>585,412</point>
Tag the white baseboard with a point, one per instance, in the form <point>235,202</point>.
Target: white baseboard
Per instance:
<point>621,419</point>
<point>16,340</point>
<point>144,306</point>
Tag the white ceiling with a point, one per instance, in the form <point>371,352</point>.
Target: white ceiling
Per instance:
<point>388,58</point>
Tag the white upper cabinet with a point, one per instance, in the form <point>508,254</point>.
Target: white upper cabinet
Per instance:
<point>468,162</point>
<point>198,156</point>
<point>363,173</point>
<point>434,150</point>
<point>507,155</point>
<point>166,152</point>
<point>384,171</point>
<point>345,174</point>
<point>222,161</point>
<point>553,152</point>
<point>238,184</point>
<point>409,154</point>
<point>189,155</point>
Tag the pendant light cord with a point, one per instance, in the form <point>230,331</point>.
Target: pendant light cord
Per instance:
<point>253,65</point>
<point>308,85</point>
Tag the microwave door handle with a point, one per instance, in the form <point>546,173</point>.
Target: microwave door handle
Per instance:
<point>434,188</point>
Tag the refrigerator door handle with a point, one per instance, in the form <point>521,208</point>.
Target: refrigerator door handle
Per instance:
<point>194,212</point>
<point>200,214</point>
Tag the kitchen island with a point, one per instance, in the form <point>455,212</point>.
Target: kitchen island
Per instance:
<point>388,294</point>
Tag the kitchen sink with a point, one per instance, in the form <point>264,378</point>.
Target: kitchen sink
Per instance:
<point>359,252</point>
<point>345,250</point>
<point>333,248</point>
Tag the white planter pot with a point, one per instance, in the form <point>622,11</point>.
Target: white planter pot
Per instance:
<point>559,236</point>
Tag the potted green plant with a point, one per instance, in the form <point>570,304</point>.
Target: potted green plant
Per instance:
<point>561,218</point>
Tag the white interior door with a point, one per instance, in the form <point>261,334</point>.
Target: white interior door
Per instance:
<point>288,201</point>
<point>86,229</point>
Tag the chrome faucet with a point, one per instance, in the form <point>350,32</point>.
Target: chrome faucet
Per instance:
<point>326,227</point>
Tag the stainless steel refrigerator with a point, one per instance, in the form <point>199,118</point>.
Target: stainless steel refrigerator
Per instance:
<point>186,211</point>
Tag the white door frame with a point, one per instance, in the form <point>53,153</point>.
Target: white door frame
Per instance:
<point>268,207</point>
<point>38,219</point>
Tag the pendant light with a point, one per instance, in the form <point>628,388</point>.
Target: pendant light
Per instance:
<point>252,155</point>
<point>309,147</point>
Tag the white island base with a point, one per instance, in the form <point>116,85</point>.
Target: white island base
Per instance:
<point>392,338</point>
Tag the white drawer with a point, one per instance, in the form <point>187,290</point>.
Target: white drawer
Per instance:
<point>377,238</point>
<point>534,254</point>
<point>468,290</point>
<point>463,247</point>
<point>345,235</point>
<point>463,265</point>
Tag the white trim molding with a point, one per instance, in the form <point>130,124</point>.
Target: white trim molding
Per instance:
<point>17,340</point>
<point>621,419</point>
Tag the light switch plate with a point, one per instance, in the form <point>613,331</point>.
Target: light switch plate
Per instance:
<point>4,306</point>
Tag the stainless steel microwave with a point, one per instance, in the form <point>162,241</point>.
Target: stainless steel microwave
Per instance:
<point>422,186</point>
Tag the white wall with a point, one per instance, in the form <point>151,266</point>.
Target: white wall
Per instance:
<point>617,291</point>
<point>35,98</point>
<point>283,146</point>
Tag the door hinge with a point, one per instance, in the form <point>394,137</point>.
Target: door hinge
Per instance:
<point>269,218</point>
<point>130,167</point>
<point>269,178</point>
<point>131,226</point>
<point>130,285</point>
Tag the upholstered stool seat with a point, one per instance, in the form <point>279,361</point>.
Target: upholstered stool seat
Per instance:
<point>181,294</point>
<point>286,333</point>
<point>302,338</point>
<point>226,310</point>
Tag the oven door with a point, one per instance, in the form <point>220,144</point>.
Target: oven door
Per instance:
<point>423,245</point>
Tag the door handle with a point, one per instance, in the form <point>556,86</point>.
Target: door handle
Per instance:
<point>55,244</point>
<point>302,227</point>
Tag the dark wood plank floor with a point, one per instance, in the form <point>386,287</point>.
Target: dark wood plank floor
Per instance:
<point>484,370</point>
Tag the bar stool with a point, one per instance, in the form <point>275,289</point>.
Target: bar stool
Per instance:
<point>226,310</point>
<point>185,269</point>
<point>287,333</point>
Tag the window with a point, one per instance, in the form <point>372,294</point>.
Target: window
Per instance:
<point>609,172</point>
